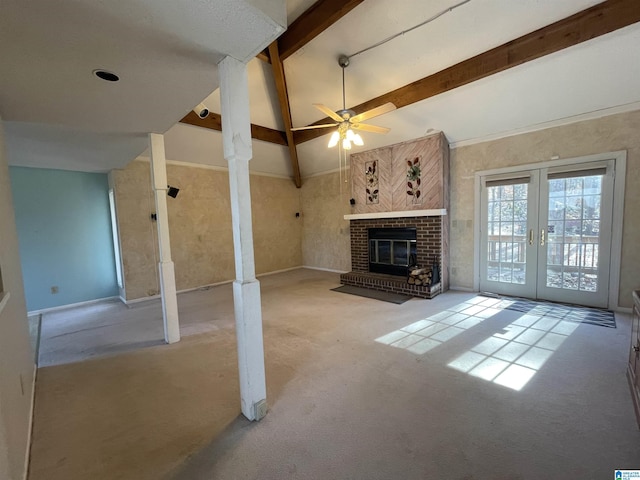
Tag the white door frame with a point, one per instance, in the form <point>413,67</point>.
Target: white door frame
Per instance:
<point>620,158</point>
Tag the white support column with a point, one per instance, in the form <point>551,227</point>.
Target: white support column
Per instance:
<point>236,139</point>
<point>167,273</point>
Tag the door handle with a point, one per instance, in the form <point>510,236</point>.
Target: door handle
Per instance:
<point>542,237</point>
<point>531,236</point>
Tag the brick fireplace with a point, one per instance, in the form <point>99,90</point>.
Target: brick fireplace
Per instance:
<point>430,232</point>
<point>405,185</point>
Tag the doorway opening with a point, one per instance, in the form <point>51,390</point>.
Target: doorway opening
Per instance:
<point>552,231</point>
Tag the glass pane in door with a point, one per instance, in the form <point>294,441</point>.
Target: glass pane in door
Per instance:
<point>573,233</point>
<point>507,233</point>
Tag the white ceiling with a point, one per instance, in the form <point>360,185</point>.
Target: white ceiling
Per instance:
<point>165,52</point>
<point>592,78</point>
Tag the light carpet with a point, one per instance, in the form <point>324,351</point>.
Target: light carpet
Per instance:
<point>342,405</point>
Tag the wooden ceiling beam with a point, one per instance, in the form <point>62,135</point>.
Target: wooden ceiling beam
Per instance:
<point>285,110</point>
<point>593,22</point>
<point>315,20</point>
<point>214,122</point>
<point>264,55</point>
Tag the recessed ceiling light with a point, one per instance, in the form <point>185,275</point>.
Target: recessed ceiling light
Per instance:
<point>108,76</point>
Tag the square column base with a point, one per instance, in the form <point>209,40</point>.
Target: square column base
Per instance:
<point>169,302</point>
<point>248,314</point>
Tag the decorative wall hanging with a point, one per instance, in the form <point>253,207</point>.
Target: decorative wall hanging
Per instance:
<point>413,181</point>
<point>372,188</point>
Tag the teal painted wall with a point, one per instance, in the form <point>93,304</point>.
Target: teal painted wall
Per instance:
<point>64,233</point>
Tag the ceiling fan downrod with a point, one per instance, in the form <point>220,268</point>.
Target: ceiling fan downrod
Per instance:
<point>343,61</point>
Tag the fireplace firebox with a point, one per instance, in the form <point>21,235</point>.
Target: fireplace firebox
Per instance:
<point>430,233</point>
<point>392,250</point>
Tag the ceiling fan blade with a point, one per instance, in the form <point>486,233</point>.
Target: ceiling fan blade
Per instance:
<point>374,112</point>
<point>370,128</point>
<point>310,127</point>
<point>327,111</point>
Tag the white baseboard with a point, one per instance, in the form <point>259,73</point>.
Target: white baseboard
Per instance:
<point>461,289</point>
<point>324,269</point>
<point>186,290</point>
<point>71,305</point>
<point>27,453</point>
<point>201,287</point>
<point>279,271</point>
<point>139,300</point>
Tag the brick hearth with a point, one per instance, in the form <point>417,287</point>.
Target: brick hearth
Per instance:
<point>429,245</point>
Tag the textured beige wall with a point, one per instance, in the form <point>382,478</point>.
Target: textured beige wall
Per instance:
<point>138,244</point>
<point>277,232</point>
<point>200,226</point>
<point>325,234</point>
<point>607,134</point>
<point>16,357</point>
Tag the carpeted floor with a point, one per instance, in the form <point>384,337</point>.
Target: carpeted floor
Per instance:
<point>357,389</point>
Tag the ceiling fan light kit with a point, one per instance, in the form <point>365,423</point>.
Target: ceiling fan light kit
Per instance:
<point>335,138</point>
<point>347,121</point>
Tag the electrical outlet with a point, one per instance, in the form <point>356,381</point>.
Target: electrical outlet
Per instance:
<point>54,289</point>
<point>260,410</point>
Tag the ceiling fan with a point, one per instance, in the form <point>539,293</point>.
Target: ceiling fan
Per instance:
<point>347,121</point>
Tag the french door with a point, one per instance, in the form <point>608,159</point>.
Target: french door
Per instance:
<point>546,233</point>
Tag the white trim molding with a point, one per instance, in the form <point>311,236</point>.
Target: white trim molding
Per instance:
<point>202,287</point>
<point>620,172</point>
<point>403,214</point>
<point>275,272</point>
<point>4,300</point>
<point>218,168</point>
<point>72,305</point>
<point>605,112</point>
<point>456,288</point>
<point>27,455</point>
<point>321,269</point>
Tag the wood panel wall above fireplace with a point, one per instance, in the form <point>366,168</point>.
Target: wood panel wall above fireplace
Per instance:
<point>412,175</point>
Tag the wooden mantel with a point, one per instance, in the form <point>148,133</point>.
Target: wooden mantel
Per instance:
<point>404,214</point>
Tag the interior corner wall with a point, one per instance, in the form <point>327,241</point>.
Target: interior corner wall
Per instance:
<point>326,243</point>
<point>200,226</point>
<point>16,357</point>
<point>64,230</point>
<point>606,134</point>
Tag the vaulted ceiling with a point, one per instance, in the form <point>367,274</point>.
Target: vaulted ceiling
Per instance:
<point>475,72</point>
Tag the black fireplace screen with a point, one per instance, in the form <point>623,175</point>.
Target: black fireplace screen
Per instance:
<point>391,250</point>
